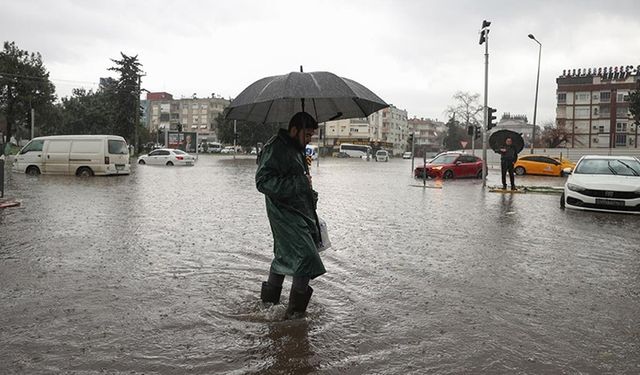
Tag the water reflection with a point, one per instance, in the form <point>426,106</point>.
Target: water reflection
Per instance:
<point>290,349</point>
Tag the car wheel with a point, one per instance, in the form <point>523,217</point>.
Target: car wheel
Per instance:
<point>448,175</point>
<point>169,164</point>
<point>33,171</point>
<point>562,201</point>
<point>479,174</point>
<point>84,172</point>
<point>142,162</point>
<point>520,171</point>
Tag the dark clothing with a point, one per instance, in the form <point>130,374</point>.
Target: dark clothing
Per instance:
<point>507,166</point>
<point>507,159</point>
<point>510,154</point>
<point>291,205</point>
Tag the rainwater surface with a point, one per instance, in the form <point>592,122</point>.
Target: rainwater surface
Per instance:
<point>159,272</point>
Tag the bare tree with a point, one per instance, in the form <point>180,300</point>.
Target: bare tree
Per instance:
<point>552,136</point>
<point>466,108</point>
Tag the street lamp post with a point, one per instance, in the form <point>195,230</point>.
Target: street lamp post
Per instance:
<point>535,106</point>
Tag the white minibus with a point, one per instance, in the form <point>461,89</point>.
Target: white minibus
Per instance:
<point>355,151</point>
<point>80,155</point>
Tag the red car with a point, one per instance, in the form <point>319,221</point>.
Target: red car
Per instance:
<point>451,165</point>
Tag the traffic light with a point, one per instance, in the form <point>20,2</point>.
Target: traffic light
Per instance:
<point>179,128</point>
<point>491,118</point>
<point>410,139</point>
<point>470,130</point>
<point>478,132</point>
<point>236,136</point>
<point>484,31</point>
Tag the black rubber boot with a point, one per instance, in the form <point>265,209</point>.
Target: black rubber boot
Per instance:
<point>298,303</point>
<point>270,293</point>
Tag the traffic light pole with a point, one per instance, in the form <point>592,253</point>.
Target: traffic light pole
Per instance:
<point>486,110</point>
<point>473,141</point>
<point>413,150</point>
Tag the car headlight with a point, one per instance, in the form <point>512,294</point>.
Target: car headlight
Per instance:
<point>575,187</point>
<point>437,168</point>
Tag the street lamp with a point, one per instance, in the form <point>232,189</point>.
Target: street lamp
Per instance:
<point>535,106</point>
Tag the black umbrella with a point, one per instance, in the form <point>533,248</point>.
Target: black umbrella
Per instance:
<point>497,140</point>
<point>323,95</point>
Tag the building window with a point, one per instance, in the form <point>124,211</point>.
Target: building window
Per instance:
<point>582,97</point>
<point>622,97</point>
<point>621,111</point>
<point>621,127</point>
<point>562,97</point>
<point>621,139</point>
<point>601,129</point>
<point>582,112</point>
<point>605,96</point>
<point>604,110</point>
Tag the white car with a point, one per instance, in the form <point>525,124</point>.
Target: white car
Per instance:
<point>604,183</point>
<point>382,155</point>
<point>167,156</point>
<point>229,150</point>
<point>406,155</point>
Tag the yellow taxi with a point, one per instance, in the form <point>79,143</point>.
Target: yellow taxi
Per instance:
<point>542,165</point>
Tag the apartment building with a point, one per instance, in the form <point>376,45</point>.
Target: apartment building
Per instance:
<point>593,106</point>
<point>385,129</point>
<point>194,114</point>
<point>428,134</point>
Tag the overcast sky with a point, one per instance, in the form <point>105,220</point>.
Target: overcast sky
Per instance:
<point>413,54</point>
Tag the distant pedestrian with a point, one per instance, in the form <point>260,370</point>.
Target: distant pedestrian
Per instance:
<point>509,155</point>
<point>283,177</point>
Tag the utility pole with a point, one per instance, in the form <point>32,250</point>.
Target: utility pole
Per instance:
<point>136,119</point>
<point>535,105</point>
<point>413,150</point>
<point>484,38</point>
<point>33,121</point>
<point>235,138</point>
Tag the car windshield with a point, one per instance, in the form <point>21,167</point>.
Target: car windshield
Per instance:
<point>444,159</point>
<point>179,152</point>
<point>609,166</point>
<point>381,153</point>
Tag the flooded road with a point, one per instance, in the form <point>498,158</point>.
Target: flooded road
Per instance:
<point>159,273</point>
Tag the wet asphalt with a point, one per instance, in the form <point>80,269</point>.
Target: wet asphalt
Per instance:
<point>159,273</point>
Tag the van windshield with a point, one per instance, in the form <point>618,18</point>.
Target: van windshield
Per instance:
<point>35,145</point>
<point>118,147</point>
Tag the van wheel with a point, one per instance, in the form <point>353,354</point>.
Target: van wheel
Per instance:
<point>448,175</point>
<point>169,164</point>
<point>520,171</point>
<point>84,172</point>
<point>562,203</point>
<point>142,162</point>
<point>33,171</point>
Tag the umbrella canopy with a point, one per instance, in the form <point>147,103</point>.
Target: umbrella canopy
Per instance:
<point>323,95</point>
<point>497,139</point>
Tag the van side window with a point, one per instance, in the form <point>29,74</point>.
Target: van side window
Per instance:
<point>33,146</point>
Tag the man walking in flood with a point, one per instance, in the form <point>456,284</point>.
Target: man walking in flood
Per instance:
<point>283,177</point>
<point>509,155</point>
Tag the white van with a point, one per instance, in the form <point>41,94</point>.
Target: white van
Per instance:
<point>80,155</point>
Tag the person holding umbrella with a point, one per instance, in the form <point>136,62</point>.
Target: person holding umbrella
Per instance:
<point>509,155</point>
<point>283,177</point>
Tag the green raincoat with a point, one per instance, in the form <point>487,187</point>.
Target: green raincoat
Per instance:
<point>281,177</point>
